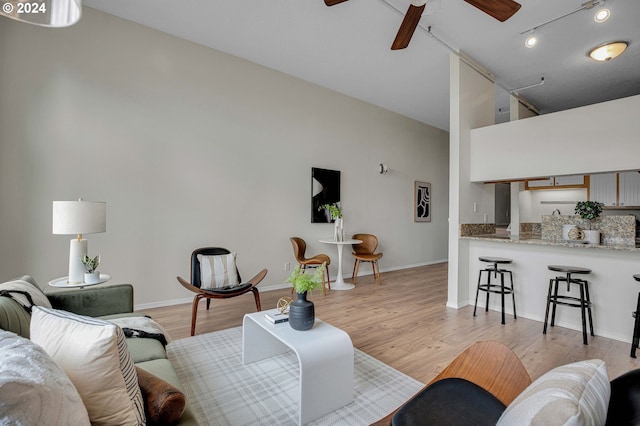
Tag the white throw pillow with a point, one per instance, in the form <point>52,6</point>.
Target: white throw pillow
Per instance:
<point>94,354</point>
<point>34,391</point>
<point>218,271</point>
<point>574,394</point>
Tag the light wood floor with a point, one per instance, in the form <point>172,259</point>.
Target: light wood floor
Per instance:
<point>405,324</point>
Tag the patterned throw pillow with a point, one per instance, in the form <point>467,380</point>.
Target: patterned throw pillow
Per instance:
<point>574,394</point>
<point>33,389</point>
<point>94,354</point>
<point>218,271</point>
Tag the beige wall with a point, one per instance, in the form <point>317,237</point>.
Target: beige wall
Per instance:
<point>595,138</point>
<point>191,147</point>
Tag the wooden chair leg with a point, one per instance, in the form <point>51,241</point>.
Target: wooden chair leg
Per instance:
<point>377,271</point>
<point>194,312</point>
<point>326,267</point>
<point>324,286</point>
<point>256,295</point>
<point>355,276</point>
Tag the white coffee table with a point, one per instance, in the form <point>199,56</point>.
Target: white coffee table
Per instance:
<point>325,356</point>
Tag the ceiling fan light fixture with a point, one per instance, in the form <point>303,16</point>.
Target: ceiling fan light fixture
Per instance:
<point>602,15</point>
<point>607,51</point>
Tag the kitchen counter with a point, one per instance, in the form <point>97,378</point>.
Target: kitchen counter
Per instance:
<point>536,239</point>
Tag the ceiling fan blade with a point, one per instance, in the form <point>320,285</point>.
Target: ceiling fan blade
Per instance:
<point>408,26</point>
<point>333,2</point>
<point>499,9</point>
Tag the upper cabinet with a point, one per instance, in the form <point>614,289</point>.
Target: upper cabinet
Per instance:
<point>558,182</point>
<point>621,190</point>
<point>629,189</point>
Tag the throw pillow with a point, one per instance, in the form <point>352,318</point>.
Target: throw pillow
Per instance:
<point>33,389</point>
<point>218,271</point>
<point>19,288</point>
<point>163,402</point>
<point>574,394</point>
<point>94,354</point>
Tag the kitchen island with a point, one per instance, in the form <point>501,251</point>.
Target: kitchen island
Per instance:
<point>613,290</point>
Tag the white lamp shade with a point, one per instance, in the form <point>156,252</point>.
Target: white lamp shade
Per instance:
<point>46,13</point>
<point>79,217</point>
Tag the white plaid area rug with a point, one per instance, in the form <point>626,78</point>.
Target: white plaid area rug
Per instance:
<point>222,391</point>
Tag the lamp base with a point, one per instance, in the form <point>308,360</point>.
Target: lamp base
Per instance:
<point>77,250</point>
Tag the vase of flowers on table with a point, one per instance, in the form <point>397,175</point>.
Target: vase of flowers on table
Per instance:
<point>302,314</point>
<point>336,214</point>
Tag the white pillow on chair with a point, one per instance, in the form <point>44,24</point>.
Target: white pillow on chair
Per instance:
<point>218,271</point>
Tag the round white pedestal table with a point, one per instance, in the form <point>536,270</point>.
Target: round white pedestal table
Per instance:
<point>339,283</point>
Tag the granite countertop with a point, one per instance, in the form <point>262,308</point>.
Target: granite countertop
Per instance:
<point>536,239</point>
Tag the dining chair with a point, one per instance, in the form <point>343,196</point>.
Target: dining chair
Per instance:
<point>299,249</point>
<point>365,252</point>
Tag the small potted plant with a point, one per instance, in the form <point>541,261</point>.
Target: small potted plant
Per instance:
<point>589,211</point>
<point>336,214</point>
<point>302,311</point>
<point>90,264</point>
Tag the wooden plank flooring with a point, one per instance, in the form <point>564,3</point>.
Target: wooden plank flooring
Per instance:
<point>405,324</point>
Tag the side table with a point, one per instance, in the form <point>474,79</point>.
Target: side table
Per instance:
<point>339,284</point>
<point>63,283</point>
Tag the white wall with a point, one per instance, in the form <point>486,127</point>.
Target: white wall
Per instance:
<point>471,106</point>
<point>595,138</point>
<point>191,147</point>
<point>535,203</point>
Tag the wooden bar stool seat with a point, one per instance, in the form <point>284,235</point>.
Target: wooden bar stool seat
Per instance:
<point>495,287</point>
<point>636,329</point>
<point>583,302</point>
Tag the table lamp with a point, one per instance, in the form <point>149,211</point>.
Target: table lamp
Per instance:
<point>78,217</point>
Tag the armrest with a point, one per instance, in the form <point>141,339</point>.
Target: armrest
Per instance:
<point>95,301</point>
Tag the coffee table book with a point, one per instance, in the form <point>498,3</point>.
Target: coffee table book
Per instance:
<point>275,317</point>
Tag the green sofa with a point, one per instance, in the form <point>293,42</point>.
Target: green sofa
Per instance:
<point>103,302</point>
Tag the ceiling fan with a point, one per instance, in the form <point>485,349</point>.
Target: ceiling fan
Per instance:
<point>499,9</point>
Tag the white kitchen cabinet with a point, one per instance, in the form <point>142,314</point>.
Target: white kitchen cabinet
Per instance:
<point>569,180</point>
<point>629,189</point>
<point>603,187</point>
<point>557,182</point>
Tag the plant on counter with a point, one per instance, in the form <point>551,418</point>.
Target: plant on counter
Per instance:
<point>589,210</point>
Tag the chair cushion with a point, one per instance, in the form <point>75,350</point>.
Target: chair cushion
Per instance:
<point>624,405</point>
<point>35,391</point>
<point>573,394</point>
<point>218,271</point>
<point>94,354</point>
<point>450,402</point>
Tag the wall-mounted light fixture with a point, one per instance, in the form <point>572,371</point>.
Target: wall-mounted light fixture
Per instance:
<point>383,169</point>
<point>608,51</point>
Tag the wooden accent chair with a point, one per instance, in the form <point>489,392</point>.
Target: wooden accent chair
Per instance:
<point>299,249</point>
<point>365,252</point>
<point>489,365</point>
<point>217,293</point>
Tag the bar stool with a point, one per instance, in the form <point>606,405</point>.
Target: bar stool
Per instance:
<point>495,287</point>
<point>636,329</point>
<point>583,302</point>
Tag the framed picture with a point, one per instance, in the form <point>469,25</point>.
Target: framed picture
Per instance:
<point>422,202</point>
<point>325,189</point>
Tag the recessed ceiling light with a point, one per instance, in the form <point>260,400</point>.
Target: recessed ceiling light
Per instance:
<point>531,41</point>
<point>602,15</point>
<point>608,51</point>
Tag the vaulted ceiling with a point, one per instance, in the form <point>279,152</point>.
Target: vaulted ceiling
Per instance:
<point>346,47</point>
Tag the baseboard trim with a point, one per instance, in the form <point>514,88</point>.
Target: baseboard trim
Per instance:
<point>274,287</point>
